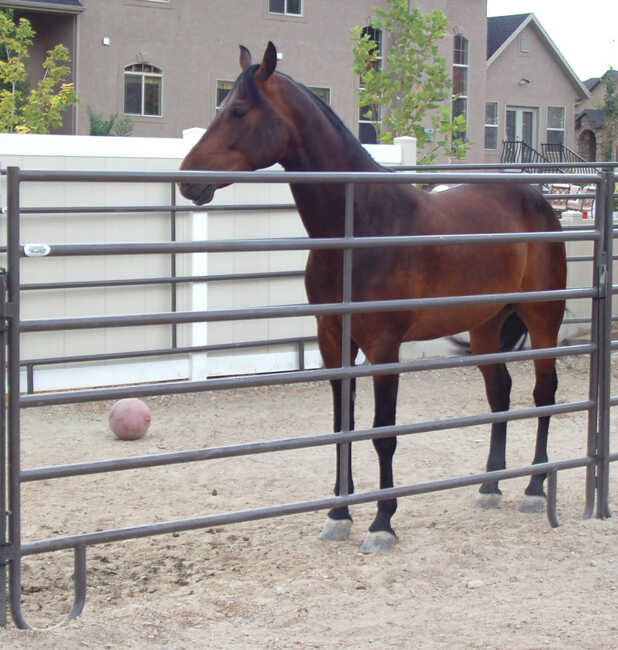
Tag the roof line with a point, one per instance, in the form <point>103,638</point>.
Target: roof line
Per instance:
<point>533,19</point>
<point>45,7</point>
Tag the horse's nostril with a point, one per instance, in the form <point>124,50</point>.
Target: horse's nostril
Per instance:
<point>187,190</point>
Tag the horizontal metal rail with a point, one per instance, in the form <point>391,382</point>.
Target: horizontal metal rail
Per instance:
<point>509,166</point>
<point>179,279</point>
<point>289,444</point>
<point>89,209</point>
<point>159,352</point>
<point>285,311</point>
<point>306,243</point>
<point>215,177</point>
<point>298,376</point>
<point>210,521</point>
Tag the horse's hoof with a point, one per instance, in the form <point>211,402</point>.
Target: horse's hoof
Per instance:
<point>533,503</point>
<point>488,501</point>
<point>378,541</point>
<point>336,530</point>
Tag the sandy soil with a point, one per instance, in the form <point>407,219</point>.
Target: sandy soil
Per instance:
<point>460,577</point>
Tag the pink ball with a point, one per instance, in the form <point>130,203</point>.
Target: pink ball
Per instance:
<point>129,418</point>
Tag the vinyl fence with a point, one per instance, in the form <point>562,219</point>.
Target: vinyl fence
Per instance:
<point>116,212</point>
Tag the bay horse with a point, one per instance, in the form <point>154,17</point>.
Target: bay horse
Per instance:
<point>268,118</point>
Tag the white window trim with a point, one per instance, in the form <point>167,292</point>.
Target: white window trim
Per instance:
<point>465,96</point>
<point>143,88</point>
<point>524,42</point>
<point>285,11</point>
<point>553,128</point>
<point>218,81</point>
<point>380,58</point>
<point>495,125</point>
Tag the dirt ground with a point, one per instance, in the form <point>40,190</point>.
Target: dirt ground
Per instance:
<point>460,577</point>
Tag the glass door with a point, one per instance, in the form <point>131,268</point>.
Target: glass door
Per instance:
<point>522,128</point>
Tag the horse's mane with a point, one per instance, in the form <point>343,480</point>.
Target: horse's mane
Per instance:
<point>350,140</point>
<point>246,84</point>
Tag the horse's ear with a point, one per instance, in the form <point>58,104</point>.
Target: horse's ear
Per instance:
<point>269,63</point>
<point>245,58</point>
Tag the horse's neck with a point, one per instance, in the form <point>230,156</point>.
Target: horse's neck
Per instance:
<point>325,148</point>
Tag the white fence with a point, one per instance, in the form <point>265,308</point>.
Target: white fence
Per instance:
<point>97,153</point>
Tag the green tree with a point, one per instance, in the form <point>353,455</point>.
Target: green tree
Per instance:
<point>609,107</point>
<point>411,81</point>
<point>39,109</point>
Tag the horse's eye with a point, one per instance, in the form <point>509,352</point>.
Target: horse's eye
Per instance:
<point>239,111</point>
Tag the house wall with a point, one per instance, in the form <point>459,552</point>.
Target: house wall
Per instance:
<point>595,101</point>
<point>548,87</point>
<point>195,43</point>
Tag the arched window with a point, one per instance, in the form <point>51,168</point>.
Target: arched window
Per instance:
<point>460,78</point>
<point>587,145</point>
<point>142,89</point>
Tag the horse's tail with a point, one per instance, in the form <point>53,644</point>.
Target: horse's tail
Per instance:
<point>512,336</point>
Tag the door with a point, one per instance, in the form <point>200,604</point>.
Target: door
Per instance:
<point>522,128</point>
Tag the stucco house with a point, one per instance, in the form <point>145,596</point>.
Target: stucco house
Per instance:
<point>532,92</point>
<point>590,121</point>
<point>167,64</point>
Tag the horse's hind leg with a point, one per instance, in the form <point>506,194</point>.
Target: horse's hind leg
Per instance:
<point>543,321</point>
<point>544,395</point>
<point>381,536</point>
<point>484,340</point>
<point>545,388</point>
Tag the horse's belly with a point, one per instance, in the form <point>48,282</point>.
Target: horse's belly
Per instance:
<point>430,324</point>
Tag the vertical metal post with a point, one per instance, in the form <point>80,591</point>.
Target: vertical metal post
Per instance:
<point>3,454</point>
<point>596,336</point>
<point>13,417</point>
<point>346,341</point>
<point>173,288</point>
<point>604,204</point>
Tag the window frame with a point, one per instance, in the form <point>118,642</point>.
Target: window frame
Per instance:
<point>524,42</point>
<point>465,67</point>
<point>495,126</point>
<point>219,105</point>
<point>285,11</point>
<point>554,129</point>
<point>322,90</point>
<point>143,75</point>
<point>378,107</point>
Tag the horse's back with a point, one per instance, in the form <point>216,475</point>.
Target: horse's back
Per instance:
<point>489,207</point>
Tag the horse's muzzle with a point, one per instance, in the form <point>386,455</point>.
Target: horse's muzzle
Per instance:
<point>199,193</point>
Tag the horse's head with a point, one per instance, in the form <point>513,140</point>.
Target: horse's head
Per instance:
<point>249,133</point>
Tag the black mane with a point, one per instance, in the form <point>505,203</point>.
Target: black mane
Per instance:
<point>246,84</point>
<point>349,138</point>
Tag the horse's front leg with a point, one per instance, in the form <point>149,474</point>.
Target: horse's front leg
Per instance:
<point>339,522</point>
<point>381,535</point>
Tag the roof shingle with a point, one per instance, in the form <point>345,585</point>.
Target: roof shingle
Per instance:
<point>499,28</point>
